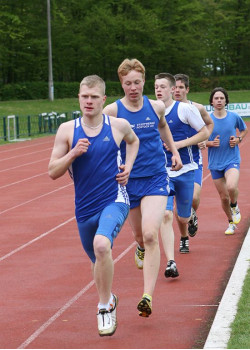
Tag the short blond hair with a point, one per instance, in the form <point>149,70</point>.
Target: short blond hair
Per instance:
<point>128,65</point>
<point>92,81</point>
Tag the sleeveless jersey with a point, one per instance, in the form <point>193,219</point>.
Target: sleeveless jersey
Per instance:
<point>196,151</point>
<point>94,172</point>
<point>179,132</point>
<point>151,159</point>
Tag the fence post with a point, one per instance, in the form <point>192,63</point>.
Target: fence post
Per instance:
<point>29,125</point>
<point>17,127</point>
<point>4,129</point>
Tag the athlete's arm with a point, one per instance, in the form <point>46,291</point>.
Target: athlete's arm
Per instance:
<point>123,131</point>
<point>205,116</point>
<point>201,135</point>
<point>215,142</point>
<point>167,137</point>
<point>111,109</point>
<point>190,115</point>
<point>62,155</point>
<point>208,121</point>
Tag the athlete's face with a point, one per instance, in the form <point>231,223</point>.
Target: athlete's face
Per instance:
<point>91,100</point>
<point>219,100</point>
<point>133,84</point>
<point>180,92</point>
<point>163,90</point>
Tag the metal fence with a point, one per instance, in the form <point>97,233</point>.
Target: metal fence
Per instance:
<point>14,127</point>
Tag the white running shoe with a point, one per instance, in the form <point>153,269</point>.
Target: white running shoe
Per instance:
<point>236,214</point>
<point>139,257</point>
<point>231,228</point>
<point>106,319</point>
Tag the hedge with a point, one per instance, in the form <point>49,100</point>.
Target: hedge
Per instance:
<point>39,90</point>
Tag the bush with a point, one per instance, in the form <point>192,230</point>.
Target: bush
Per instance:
<point>39,89</point>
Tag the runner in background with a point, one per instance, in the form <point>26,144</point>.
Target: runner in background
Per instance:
<point>224,155</point>
<point>181,117</point>
<point>148,185</point>
<point>180,94</point>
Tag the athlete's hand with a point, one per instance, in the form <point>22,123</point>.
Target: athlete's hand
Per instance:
<point>177,145</point>
<point>165,146</point>
<point>123,176</point>
<point>202,144</point>
<point>81,147</point>
<point>216,141</point>
<point>176,163</point>
<point>233,141</point>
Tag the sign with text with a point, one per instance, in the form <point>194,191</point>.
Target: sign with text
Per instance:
<point>242,108</point>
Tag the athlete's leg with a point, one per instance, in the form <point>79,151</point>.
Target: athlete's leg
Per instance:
<point>167,231</point>
<point>111,221</point>
<point>196,196</point>
<point>198,175</point>
<point>135,219</point>
<point>221,187</point>
<point>232,176</point>
<point>184,188</point>
<point>103,268</point>
<point>152,210</point>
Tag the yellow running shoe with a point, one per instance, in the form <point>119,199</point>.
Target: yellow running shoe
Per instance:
<point>231,228</point>
<point>139,257</point>
<point>145,306</point>
<point>236,214</point>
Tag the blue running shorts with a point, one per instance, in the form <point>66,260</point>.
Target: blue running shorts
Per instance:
<point>108,222</point>
<point>198,175</point>
<point>217,174</point>
<point>137,188</point>
<point>183,185</point>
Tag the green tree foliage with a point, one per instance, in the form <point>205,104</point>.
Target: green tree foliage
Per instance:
<point>198,37</point>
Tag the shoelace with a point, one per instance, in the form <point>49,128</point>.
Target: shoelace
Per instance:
<point>103,313</point>
<point>235,211</point>
<point>140,254</point>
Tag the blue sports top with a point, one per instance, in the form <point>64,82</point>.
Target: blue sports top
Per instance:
<point>180,131</point>
<point>196,151</point>
<point>197,155</point>
<point>151,159</point>
<point>94,172</point>
<point>220,157</point>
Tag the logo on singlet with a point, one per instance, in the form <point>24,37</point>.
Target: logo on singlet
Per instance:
<point>148,118</point>
<point>106,138</point>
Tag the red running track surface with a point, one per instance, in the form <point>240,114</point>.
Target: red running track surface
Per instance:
<point>47,296</point>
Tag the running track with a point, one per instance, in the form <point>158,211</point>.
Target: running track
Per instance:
<point>47,295</point>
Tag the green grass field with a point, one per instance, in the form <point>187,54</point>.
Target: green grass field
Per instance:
<point>34,107</point>
<point>30,125</point>
<point>240,335</point>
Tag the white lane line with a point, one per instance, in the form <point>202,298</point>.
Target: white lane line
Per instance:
<point>25,154</point>
<point>40,330</point>
<point>206,177</point>
<point>220,331</point>
<point>26,179</point>
<point>35,198</point>
<point>35,239</point>
<point>11,149</point>
<point>25,164</point>
<point>201,305</point>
